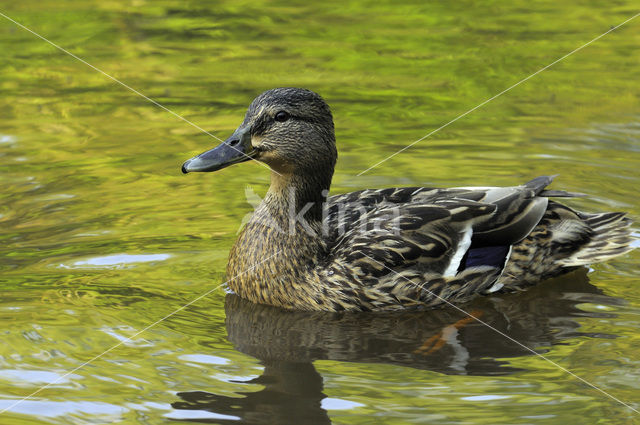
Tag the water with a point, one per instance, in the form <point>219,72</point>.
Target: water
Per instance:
<point>102,236</point>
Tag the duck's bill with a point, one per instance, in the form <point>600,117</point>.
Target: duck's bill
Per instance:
<point>235,149</point>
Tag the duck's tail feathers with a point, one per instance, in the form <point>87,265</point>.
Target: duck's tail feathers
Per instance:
<point>561,194</point>
<point>609,237</point>
<point>539,185</point>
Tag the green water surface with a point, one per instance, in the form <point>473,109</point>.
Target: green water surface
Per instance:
<point>101,236</point>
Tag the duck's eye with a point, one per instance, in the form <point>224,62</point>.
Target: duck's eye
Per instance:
<point>282,116</point>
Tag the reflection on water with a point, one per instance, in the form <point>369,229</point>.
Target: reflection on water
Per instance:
<point>444,341</point>
<point>292,394</point>
<point>120,260</point>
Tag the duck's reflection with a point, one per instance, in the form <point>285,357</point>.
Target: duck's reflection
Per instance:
<point>292,394</point>
<point>445,341</point>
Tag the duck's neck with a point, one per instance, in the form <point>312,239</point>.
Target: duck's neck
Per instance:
<point>282,240</point>
<point>294,196</point>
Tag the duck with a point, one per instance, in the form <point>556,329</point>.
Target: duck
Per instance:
<point>391,248</point>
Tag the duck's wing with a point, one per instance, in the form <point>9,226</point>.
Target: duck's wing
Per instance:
<point>374,231</point>
<point>427,236</point>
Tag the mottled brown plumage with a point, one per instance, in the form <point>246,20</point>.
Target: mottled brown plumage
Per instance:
<point>389,248</point>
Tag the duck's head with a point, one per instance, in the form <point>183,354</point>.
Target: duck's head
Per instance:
<point>289,129</point>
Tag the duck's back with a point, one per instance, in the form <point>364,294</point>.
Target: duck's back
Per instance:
<point>424,246</point>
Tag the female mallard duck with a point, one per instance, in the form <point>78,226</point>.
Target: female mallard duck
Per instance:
<point>385,249</point>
